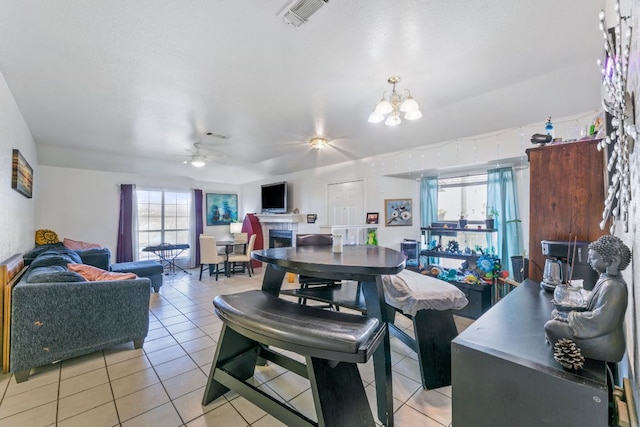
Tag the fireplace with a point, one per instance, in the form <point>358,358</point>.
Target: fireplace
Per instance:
<point>280,238</point>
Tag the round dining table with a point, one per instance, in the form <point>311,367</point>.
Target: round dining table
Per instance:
<point>362,264</point>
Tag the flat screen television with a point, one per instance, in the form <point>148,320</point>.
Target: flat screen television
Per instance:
<point>274,197</point>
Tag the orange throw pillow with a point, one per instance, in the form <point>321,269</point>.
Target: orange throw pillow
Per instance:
<point>95,274</point>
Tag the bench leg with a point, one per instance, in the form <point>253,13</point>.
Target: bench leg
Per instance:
<point>22,376</point>
<point>434,331</point>
<point>338,394</point>
<point>229,346</point>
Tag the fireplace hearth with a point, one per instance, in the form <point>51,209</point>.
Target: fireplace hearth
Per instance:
<point>280,238</point>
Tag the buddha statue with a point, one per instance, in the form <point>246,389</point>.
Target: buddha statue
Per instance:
<point>597,330</point>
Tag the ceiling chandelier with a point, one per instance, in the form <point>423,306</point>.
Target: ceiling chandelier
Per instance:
<point>393,103</point>
<point>318,143</point>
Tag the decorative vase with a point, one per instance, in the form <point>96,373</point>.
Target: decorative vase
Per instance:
<point>463,222</point>
<point>489,223</point>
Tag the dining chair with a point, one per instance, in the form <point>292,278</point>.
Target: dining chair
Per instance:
<point>309,281</point>
<point>244,258</point>
<point>240,241</point>
<point>209,255</point>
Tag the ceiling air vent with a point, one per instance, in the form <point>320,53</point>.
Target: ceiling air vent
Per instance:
<point>297,12</point>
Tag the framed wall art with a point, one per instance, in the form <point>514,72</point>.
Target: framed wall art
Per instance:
<point>311,218</point>
<point>397,212</point>
<point>372,217</point>
<point>222,209</point>
<point>21,175</point>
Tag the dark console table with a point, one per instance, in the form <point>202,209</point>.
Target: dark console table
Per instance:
<point>504,374</point>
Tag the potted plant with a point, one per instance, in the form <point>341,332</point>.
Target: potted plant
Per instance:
<point>463,220</point>
<point>490,218</point>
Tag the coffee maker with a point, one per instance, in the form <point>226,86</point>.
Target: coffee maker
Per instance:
<point>562,253</point>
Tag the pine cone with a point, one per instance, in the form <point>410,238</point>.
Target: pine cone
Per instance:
<point>568,354</point>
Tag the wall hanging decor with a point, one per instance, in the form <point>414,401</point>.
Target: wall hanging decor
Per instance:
<point>372,217</point>
<point>397,212</point>
<point>622,134</point>
<point>21,175</point>
<point>222,209</point>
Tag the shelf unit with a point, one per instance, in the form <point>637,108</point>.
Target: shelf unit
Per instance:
<point>481,296</point>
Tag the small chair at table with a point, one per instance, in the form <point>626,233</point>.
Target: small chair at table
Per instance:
<point>244,258</point>
<point>209,255</point>
<point>308,281</point>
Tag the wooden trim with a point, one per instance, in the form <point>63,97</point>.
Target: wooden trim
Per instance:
<point>11,271</point>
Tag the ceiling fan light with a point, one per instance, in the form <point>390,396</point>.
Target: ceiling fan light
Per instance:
<point>393,120</point>
<point>197,161</point>
<point>409,105</point>
<point>413,115</point>
<point>318,143</point>
<point>383,107</point>
<point>375,117</point>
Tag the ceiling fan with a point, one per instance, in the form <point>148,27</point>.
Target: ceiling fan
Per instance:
<point>198,159</point>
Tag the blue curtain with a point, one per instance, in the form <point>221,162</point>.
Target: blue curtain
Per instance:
<point>198,224</point>
<point>502,196</point>
<point>428,208</point>
<point>124,250</point>
<point>428,200</point>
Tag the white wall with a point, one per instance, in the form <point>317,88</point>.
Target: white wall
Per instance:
<point>83,205</point>
<point>17,213</point>
<point>308,189</point>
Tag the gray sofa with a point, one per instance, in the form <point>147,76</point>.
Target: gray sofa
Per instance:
<point>56,314</point>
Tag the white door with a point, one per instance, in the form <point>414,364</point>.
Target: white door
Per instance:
<point>345,201</point>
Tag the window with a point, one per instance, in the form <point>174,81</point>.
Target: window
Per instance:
<point>465,195</point>
<point>163,217</point>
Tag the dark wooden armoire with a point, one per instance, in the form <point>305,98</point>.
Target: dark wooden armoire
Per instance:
<point>567,192</point>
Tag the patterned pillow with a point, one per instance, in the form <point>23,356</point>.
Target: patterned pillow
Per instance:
<point>44,236</point>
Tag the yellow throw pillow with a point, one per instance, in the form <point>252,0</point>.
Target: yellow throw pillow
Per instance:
<point>45,237</point>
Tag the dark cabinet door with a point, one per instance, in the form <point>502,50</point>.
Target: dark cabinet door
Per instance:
<point>566,196</point>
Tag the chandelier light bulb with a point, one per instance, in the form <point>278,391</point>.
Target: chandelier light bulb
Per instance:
<point>376,117</point>
<point>413,115</point>
<point>383,107</point>
<point>393,103</point>
<point>409,105</point>
<point>393,120</point>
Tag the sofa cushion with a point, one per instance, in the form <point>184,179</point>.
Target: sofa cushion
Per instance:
<point>96,274</point>
<point>53,273</point>
<point>98,257</point>
<point>77,245</point>
<point>41,249</point>
<point>60,257</point>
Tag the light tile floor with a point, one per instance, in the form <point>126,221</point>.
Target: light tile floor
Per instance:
<point>163,383</point>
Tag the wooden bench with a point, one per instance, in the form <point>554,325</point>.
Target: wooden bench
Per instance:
<point>332,343</point>
<point>433,328</point>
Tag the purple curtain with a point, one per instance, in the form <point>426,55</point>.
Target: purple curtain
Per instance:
<point>124,251</point>
<point>197,205</point>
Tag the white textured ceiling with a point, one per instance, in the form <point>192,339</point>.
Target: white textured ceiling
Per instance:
<point>128,85</point>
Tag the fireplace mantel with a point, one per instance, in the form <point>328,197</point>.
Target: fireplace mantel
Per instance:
<point>281,218</point>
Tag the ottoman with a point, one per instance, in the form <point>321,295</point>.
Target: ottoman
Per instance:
<point>150,269</point>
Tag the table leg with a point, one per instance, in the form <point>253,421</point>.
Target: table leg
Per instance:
<point>272,280</point>
<point>374,299</point>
